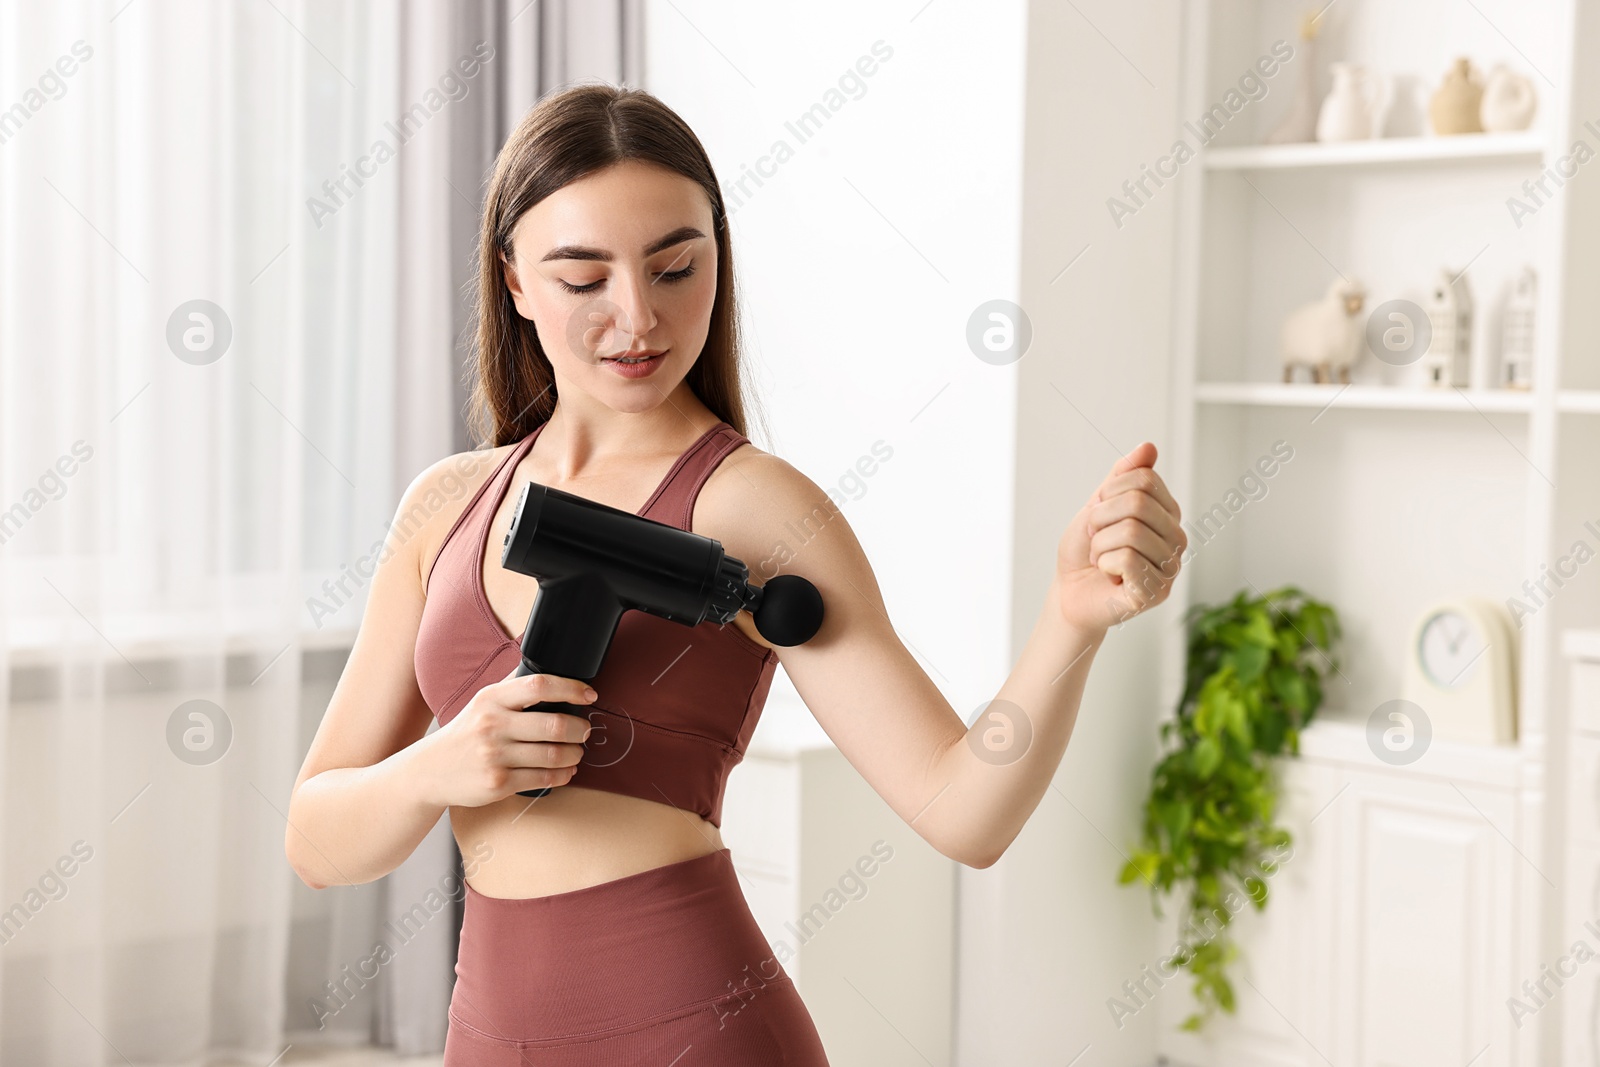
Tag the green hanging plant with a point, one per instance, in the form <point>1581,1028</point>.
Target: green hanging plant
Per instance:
<point>1253,680</point>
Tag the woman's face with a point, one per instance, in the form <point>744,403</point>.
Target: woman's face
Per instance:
<point>619,264</point>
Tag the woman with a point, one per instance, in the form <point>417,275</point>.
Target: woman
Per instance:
<point>603,921</point>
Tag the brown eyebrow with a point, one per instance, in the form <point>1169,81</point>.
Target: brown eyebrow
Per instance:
<point>676,237</point>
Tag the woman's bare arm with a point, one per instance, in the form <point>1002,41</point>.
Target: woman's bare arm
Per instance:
<point>967,792</point>
<point>356,813</point>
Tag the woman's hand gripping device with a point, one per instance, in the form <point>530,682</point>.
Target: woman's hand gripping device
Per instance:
<point>594,562</point>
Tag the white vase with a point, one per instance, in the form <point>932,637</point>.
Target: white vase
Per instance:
<point>1355,107</point>
<point>1299,123</point>
<point>1509,101</point>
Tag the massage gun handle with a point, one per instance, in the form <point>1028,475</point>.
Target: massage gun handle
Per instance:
<point>545,705</point>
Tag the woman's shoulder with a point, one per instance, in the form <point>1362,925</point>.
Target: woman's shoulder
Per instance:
<point>750,474</point>
<point>757,504</point>
<point>436,498</point>
<point>456,477</point>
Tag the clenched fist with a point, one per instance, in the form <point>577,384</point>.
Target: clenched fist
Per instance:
<point>1122,550</point>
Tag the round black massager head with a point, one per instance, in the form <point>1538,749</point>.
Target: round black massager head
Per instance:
<point>789,611</point>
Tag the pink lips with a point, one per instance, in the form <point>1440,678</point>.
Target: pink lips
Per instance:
<point>635,370</point>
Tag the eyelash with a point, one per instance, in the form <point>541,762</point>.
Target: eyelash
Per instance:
<point>671,276</point>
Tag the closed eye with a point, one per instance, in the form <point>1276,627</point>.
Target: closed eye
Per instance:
<point>668,276</point>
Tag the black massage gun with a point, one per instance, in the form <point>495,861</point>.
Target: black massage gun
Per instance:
<point>594,562</point>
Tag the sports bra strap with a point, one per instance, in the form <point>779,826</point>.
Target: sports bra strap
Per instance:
<point>674,503</point>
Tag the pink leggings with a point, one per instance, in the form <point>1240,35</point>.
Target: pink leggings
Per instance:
<point>666,967</point>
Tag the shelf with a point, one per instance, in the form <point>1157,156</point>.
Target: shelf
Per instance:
<point>1580,400</point>
<point>1490,147</point>
<point>1344,742</point>
<point>1581,644</point>
<point>1277,394</point>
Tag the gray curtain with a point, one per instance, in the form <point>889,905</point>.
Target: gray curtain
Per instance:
<point>539,45</point>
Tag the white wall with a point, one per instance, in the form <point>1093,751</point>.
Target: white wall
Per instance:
<point>1047,935</point>
<point>862,258</point>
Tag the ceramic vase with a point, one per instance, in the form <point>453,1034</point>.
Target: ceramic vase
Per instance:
<point>1509,101</point>
<point>1354,109</point>
<point>1456,103</point>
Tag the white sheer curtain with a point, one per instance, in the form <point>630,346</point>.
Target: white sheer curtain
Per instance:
<point>213,389</point>
<point>231,330</point>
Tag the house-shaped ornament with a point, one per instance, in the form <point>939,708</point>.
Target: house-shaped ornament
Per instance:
<point>1516,337</point>
<point>1449,359</point>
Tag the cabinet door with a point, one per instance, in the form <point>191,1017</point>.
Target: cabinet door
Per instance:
<point>1425,922</point>
<point>1283,983</point>
<point>761,827</point>
<point>1578,993</point>
<point>866,934</point>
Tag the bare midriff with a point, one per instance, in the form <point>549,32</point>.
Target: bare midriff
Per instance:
<point>572,838</point>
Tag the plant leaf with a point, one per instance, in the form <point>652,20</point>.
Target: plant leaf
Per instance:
<point>1249,661</point>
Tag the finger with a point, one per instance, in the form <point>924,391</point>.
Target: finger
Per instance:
<point>1143,455</point>
<point>1146,480</point>
<point>1161,554</point>
<point>543,754</point>
<point>1141,583</point>
<point>1131,533</point>
<point>556,726</point>
<point>1144,508</point>
<point>521,778</point>
<point>530,689</point>
<point>1122,563</point>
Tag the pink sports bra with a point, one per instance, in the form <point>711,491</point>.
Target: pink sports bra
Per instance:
<point>677,704</point>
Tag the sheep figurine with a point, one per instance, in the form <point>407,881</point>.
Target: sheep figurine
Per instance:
<point>1325,335</point>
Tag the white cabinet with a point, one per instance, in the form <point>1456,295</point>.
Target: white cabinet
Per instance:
<point>1425,915</point>
<point>1579,992</point>
<point>1445,887</point>
<point>1388,938</point>
<point>1575,985</point>
<point>865,906</point>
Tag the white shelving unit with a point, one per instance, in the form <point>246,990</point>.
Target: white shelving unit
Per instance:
<point>1391,398</point>
<point>1396,495</point>
<point>1389,151</point>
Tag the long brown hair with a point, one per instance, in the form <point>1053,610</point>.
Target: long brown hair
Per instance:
<point>570,134</point>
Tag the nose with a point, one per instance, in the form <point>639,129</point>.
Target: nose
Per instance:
<point>634,296</point>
